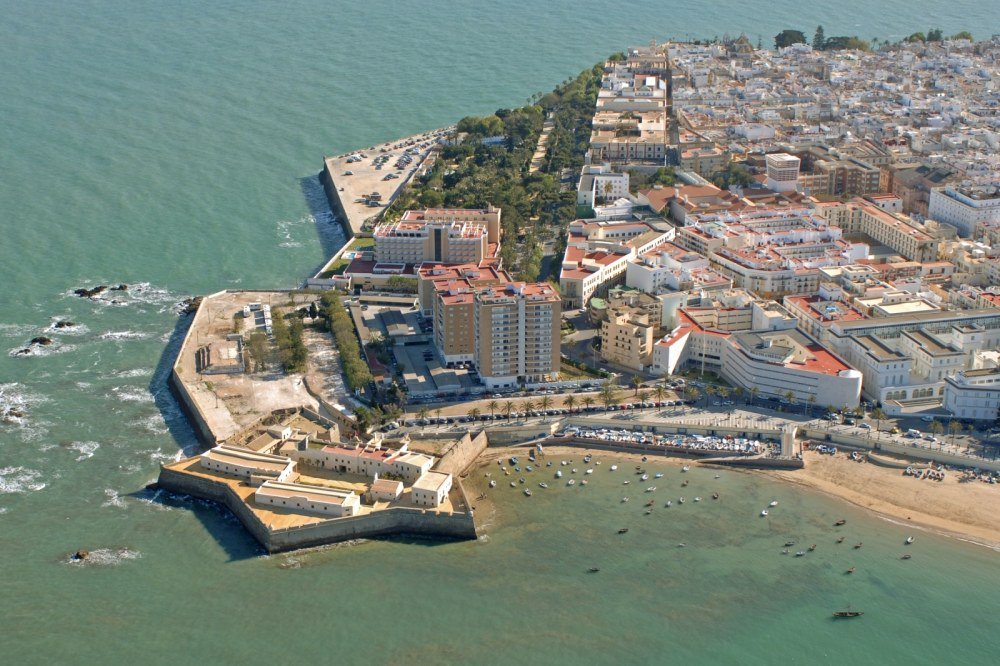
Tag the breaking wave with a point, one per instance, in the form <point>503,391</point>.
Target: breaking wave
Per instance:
<point>18,480</point>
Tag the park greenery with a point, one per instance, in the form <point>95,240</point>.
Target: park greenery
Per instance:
<point>820,42</point>
<point>488,164</point>
<point>289,346</point>
<point>356,372</point>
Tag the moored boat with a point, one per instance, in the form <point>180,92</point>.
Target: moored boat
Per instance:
<point>527,491</point>
<point>840,522</point>
<point>909,540</point>
<point>763,513</point>
<point>848,613</point>
<point>623,530</point>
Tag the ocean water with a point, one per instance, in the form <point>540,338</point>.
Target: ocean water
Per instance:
<point>173,147</point>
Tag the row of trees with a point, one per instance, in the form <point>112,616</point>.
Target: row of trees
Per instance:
<point>820,42</point>
<point>356,371</point>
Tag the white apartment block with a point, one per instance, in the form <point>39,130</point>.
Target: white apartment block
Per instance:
<point>964,207</point>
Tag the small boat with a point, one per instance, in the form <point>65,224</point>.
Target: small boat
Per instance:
<point>848,613</point>
<point>558,473</point>
<point>763,513</point>
<point>773,503</point>
<point>548,464</point>
<point>784,552</point>
<point>625,483</point>
<point>521,480</point>
<point>529,468</point>
<point>906,557</point>
<point>593,570</point>
<point>840,540</point>
<point>527,491</point>
<point>717,476</point>
<point>649,511</point>
<point>586,458</point>
<point>651,489</point>
<point>583,482</point>
<point>623,530</point>
<point>614,468</point>
<point>573,471</point>
<point>684,485</point>
<point>571,482</point>
<point>680,501</point>
<point>849,571</point>
<point>506,472</point>
<point>563,463</point>
<point>543,485</point>
<point>517,469</point>
<point>649,503</point>
<point>658,475</point>
<point>624,499</point>
<point>685,468</point>
<point>812,548</point>
<point>789,544</point>
<point>715,495</point>
<point>513,485</point>
<point>589,471</point>
<point>493,483</point>
<point>669,503</point>
<point>697,499</point>
<point>840,522</point>
<point>909,540</point>
<point>681,545</point>
<point>857,545</point>
<point>800,553</point>
<point>644,477</point>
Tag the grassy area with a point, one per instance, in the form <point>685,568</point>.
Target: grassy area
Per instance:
<point>568,372</point>
<point>357,244</point>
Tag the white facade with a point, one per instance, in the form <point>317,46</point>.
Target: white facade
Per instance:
<point>973,394</point>
<point>431,489</point>
<point>308,499</point>
<point>782,172</point>
<point>964,208</point>
<point>600,182</point>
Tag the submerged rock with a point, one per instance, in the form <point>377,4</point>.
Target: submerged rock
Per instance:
<point>64,323</point>
<point>41,340</point>
<point>80,555</point>
<point>121,287</point>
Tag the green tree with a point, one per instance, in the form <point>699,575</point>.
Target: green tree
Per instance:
<point>879,416</point>
<point>493,406</point>
<point>422,413</point>
<point>609,395</point>
<point>819,39</point>
<point>754,390</point>
<point>935,35</point>
<point>569,402</point>
<point>474,414</point>
<point>508,408</point>
<point>789,37</point>
<point>936,427</point>
<point>916,37</point>
<point>812,402</point>
<point>691,393</point>
<point>257,346</point>
<point>954,427</point>
<point>588,401</point>
<point>636,382</point>
<point>660,392</point>
<point>964,34</point>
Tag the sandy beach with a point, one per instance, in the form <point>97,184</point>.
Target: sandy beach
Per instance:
<point>965,511</point>
<point>962,510</point>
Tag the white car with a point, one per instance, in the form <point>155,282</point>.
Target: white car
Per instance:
<point>926,419</point>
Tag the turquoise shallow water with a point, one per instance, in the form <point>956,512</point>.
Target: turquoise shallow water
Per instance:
<point>173,146</point>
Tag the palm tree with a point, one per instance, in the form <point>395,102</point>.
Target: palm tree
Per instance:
<point>754,390</point>
<point>954,427</point>
<point>936,427</point>
<point>709,391</point>
<point>507,408</point>
<point>691,393</point>
<point>545,403</point>
<point>643,397</point>
<point>636,383</point>
<point>790,396</point>
<point>659,392</point>
<point>437,412</point>
<point>493,406</point>
<point>609,395</point>
<point>474,413</point>
<point>879,416</point>
<point>812,401</point>
<point>739,393</point>
<point>569,402</point>
<point>422,413</point>
<point>588,401</point>
<point>527,406</point>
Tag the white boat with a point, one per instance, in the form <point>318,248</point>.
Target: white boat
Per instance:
<point>590,471</point>
<point>513,485</point>
<point>571,482</point>
<point>614,468</point>
<point>493,483</point>
<point>583,482</point>
<point>773,503</point>
<point>563,463</point>
<point>624,499</point>
<point>697,499</point>
<point>644,477</point>
<point>543,485</point>
<point>527,491</point>
<point>909,540</point>
<point>763,513</point>
<point>625,483</point>
<point>658,475</point>
<point>685,468</point>
<point>669,503</point>
<point>558,473</point>
<point>680,501</point>
<point>651,489</point>
<point>574,470</point>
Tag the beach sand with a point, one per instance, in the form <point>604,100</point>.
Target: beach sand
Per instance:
<point>963,510</point>
<point>966,511</point>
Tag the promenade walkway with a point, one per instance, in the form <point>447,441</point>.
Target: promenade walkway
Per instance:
<point>543,139</point>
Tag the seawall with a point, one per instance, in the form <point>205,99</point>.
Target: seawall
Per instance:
<point>333,197</point>
<point>395,521</point>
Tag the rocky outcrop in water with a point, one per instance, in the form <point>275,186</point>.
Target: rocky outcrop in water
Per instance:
<point>121,287</point>
<point>190,305</point>
<point>41,340</point>
<point>64,323</point>
<point>83,292</point>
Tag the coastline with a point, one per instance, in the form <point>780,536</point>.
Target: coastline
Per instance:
<point>960,511</point>
<point>948,508</point>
